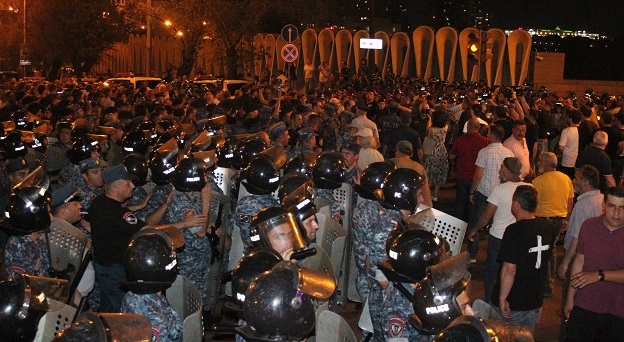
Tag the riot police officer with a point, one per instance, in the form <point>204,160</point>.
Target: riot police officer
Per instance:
<point>151,267</point>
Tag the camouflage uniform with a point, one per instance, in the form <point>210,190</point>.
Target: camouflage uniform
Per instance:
<point>366,214</point>
<point>165,321</point>
<point>348,133</point>
<point>194,259</point>
<point>138,195</point>
<point>159,196</point>
<point>334,204</point>
<point>247,207</point>
<point>376,254</point>
<point>394,317</point>
<point>87,194</point>
<point>25,256</point>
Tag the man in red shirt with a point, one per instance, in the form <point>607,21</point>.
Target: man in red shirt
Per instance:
<point>466,149</point>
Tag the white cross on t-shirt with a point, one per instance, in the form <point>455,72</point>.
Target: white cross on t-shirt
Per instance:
<point>539,248</point>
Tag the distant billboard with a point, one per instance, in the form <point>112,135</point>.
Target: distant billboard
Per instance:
<point>373,44</point>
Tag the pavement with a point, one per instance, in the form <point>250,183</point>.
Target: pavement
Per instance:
<point>547,329</point>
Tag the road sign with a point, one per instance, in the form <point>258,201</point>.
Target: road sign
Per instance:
<point>290,53</point>
<point>290,33</point>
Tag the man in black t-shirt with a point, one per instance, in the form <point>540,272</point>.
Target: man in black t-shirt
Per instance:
<point>112,228</point>
<point>523,255</point>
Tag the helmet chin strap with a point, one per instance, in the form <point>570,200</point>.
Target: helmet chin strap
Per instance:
<point>405,292</point>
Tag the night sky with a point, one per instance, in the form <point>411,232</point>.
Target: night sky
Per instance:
<point>604,17</point>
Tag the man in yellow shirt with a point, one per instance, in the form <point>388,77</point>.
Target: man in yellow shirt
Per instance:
<point>555,195</point>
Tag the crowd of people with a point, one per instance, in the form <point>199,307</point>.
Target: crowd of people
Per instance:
<point>132,170</point>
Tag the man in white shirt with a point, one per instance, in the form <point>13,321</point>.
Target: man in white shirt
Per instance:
<point>516,143</point>
<point>498,209</point>
<point>569,144</point>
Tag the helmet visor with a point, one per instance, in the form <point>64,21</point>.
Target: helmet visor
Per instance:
<point>280,233</point>
<point>119,327</point>
<point>313,283</point>
<point>47,294</point>
<point>449,271</point>
<point>277,156</point>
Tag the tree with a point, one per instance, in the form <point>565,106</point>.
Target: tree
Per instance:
<point>225,22</point>
<point>72,31</point>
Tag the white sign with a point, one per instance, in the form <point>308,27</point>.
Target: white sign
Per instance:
<point>374,44</point>
<point>25,62</point>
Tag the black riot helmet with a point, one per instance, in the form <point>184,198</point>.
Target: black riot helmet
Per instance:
<point>400,190</point>
<point>81,149</point>
<point>411,252</point>
<point>328,171</point>
<point>13,145</point>
<point>254,263</point>
<point>215,124</point>
<point>372,179</point>
<point>246,150</point>
<point>435,297</point>
<point>39,142</point>
<point>268,219</point>
<point>225,154</point>
<point>107,327</point>
<point>277,304</point>
<point>163,162</point>
<point>261,176</point>
<point>150,261</point>
<point>473,329</point>
<point>301,163</point>
<point>134,142</point>
<point>300,203</point>
<point>27,209</point>
<point>24,299</point>
<point>136,165</point>
<point>290,183</point>
<point>190,175</point>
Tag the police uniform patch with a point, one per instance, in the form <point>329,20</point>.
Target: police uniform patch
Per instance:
<point>130,218</point>
<point>396,326</point>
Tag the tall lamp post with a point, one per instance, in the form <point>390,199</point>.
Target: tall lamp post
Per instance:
<point>148,38</point>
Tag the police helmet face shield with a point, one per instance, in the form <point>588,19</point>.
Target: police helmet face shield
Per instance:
<point>208,157</point>
<point>290,183</point>
<point>435,297</point>
<point>24,299</point>
<point>164,161</point>
<point>313,283</point>
<point>276,228</point>
<point>277,156</point>
<point>202,142</point>
<point>27,208</point>
<point>301,204</point>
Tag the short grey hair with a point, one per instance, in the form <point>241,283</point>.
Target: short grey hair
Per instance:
<point>601,138</point>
